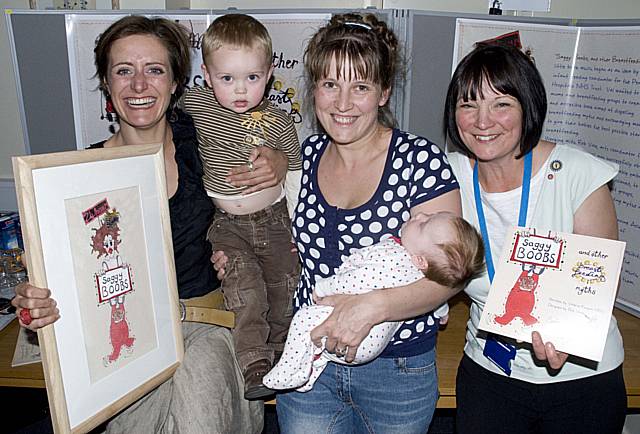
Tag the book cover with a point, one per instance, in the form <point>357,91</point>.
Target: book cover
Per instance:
<point>559,284</point>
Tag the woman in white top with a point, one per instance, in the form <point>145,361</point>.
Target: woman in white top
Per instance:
<point>494,115</point>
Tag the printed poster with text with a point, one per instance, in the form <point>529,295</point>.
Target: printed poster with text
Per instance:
<point>592,78</point>
<point>561,285</point>
<point>289,34</point>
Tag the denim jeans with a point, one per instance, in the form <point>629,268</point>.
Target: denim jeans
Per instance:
<point>388,395</point>
<point>260,278</point>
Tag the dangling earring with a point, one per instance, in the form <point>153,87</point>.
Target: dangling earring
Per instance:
<point>108,113</point>
<point>108,108</point>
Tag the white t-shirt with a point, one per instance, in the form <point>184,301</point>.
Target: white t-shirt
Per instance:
<point>566,179</point>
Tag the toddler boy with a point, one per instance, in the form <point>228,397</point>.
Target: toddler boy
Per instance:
<point>232,118</point>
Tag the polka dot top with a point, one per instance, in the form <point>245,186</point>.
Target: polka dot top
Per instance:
<point>416,171</point>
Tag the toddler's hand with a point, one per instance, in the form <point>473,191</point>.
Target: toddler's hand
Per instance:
<point>267,168</point>
<point>219,260</point>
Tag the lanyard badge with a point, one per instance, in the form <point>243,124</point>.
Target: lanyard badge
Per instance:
<point>499,352</point>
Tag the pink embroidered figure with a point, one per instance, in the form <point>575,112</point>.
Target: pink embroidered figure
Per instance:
<point>105,242</point>
<point>521,299</point>
<point>119,329</point>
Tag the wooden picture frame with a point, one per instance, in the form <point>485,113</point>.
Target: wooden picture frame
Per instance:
<point>97,233</point>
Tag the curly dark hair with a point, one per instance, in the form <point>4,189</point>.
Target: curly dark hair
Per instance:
<point>97,239</point>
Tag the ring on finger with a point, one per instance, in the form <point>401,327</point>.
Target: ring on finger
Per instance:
<point>250,165</point>
<point>25,316</point>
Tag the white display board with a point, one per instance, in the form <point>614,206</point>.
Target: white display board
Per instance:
<point>289,34</point>
<point>592,77</point>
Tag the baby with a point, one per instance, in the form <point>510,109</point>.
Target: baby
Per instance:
<point>441,247</point>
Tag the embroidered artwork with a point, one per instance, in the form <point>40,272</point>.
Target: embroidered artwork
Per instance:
<point>113,277</point>
<point>113,281</point>
<point>99,229</point>
<point>258,124</point>
<point>560,284</point>
<point>285,98</point>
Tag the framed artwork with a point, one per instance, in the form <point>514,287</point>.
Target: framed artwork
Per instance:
<point>97,234</point>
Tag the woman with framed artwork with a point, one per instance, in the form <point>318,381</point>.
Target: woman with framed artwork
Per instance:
<point>142,64</point>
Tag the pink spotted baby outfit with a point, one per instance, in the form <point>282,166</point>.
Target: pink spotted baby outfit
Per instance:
<point>383,265</point>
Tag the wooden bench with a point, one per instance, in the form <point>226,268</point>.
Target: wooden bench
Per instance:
<point>449,352</point>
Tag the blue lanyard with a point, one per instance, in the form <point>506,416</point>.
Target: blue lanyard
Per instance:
<point>522,218</point>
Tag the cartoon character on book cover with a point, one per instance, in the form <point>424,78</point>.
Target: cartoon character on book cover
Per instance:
<point>534,254</point>
<point>561,285</point>
<point>521,300</point>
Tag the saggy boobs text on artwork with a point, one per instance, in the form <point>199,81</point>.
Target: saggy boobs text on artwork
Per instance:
<point>535,254</point>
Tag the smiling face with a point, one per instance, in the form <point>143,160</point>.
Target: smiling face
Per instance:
<point>238,76</point>
<point>347,106</point>
<point>491,125</point>
<point>140,81</point>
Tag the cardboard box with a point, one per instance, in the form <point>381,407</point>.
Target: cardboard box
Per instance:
<point>9,228</point>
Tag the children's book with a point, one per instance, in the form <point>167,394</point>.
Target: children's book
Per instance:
<point>559,284</point>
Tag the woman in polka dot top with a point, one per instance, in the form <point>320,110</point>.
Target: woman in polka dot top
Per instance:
<point>362,179</point>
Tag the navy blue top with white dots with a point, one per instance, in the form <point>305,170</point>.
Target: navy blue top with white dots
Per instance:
<point>415,171</point>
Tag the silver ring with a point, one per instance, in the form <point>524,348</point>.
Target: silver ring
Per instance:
<point>342,351</point>
<point>250,165</point>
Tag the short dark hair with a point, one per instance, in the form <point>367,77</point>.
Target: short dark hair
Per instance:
<point>171,34</point>
<point>507,70</point>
